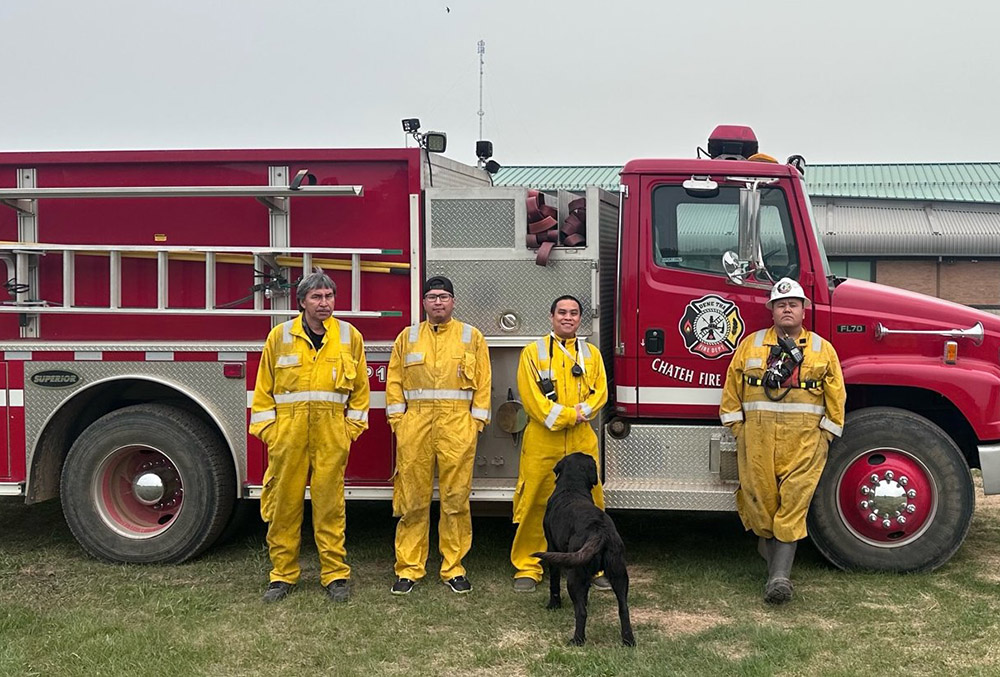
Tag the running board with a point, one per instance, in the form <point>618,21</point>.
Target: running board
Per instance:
<point>11,488</point>
<point>479,493</point>
<point>666,495</point>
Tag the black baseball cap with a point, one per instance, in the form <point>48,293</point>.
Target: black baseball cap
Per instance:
<point>439,282</point>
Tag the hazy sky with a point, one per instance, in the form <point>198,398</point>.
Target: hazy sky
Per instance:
<point>566,82</point>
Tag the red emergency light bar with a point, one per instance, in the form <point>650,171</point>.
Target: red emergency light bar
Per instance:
<point>732,142</point>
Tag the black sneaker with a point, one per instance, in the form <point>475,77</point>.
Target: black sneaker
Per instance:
<point>276,591</point>
<point>338,591</point>
<point>459,584</point>
<point>402,586</point>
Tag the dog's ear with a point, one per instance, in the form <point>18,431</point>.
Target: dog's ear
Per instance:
<point>592,472</point>
<point>559,466</point>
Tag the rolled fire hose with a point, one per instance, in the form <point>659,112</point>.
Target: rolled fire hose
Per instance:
<point>543,226</point>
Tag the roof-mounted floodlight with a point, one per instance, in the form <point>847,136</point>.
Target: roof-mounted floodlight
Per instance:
<point>434,142</point>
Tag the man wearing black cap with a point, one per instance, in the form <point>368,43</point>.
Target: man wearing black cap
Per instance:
<point>437,401</point>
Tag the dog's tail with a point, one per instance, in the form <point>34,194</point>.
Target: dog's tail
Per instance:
<point>591,547</point>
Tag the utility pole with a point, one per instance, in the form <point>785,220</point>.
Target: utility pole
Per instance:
<point>481,48</point>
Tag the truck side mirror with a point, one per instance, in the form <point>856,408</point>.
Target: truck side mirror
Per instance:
<point>750,255</point>
<point>749,224</point>
<point>736,270</point>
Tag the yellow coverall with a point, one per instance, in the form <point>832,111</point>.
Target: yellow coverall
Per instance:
<point>551,434</point>
<point>308,407</point>
<point>437,395</point>
<point>782,446</point>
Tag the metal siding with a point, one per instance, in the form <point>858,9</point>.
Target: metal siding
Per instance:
<point>872,229</point>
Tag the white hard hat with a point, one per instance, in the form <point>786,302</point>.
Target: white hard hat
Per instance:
<point>787,288</point>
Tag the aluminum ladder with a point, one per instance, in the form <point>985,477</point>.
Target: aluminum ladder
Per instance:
<point>272,298</point>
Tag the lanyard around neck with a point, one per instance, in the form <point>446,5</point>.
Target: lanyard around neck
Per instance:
<point>555,340</point>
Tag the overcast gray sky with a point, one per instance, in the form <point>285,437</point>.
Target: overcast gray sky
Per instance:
<point>566,82</point>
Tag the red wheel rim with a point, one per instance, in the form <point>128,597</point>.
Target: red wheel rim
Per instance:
<point>138,491</point>
<point>886,497</point>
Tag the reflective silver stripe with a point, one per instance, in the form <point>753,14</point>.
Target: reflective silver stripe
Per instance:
<point>481,413</point>
<point>754,363</point>
<point>584,349</point>
<point>357,415</point>
<point>543,354</point>
<point>414,333</point>
<point>731,417</point>
<point>550,420</point>
<point>817,344</point>
<point>585,408</point>
<point>288,360</point>
<point>287,329</point>
<point>758,338</point>
<point>261,416</point>
<point>466,333</point>
<point>345,332</point>
<point>788,407</point>
<point>827,424</point>
<point>432,394</point>
<point>311,396</point>
<point>395,409</point>
<point>414,357</point>
<point>544,373</point>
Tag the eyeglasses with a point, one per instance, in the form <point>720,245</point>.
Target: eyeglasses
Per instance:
<point>438,297</point>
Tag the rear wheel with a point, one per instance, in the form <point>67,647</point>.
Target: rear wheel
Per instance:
<point>896,494</point>
<point>147,483</point>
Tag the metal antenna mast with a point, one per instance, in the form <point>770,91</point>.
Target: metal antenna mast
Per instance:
<point>481,48</point>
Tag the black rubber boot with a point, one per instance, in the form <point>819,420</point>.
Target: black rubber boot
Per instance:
<point>779,571</point>
<point>764,548</point>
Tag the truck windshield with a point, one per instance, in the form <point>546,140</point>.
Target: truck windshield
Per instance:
<point>693,233</point>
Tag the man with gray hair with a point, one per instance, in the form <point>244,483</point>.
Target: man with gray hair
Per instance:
<point>309,404</point>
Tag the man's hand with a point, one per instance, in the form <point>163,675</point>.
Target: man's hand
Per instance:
<point>580,416</point>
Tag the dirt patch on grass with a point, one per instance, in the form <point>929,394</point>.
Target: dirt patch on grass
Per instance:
<point>515,638</point>
<point>641,576</point>
<point>734,650</point>
<point>779,617</point>
<point>671,622</point>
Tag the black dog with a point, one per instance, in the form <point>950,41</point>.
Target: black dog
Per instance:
<point>583,539</point>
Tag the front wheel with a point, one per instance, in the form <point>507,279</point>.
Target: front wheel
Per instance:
<point>147,483</point>
<point>896,494</point>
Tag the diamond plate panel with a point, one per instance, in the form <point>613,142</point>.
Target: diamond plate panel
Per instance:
<point>223,398</point>
<point>472,224</point>
<point>670,496</point>
<point>487,290</point>
<point>669,454</point>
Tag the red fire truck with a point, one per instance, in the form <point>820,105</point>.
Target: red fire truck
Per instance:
<point>140,287</point>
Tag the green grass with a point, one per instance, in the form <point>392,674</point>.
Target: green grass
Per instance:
<point>696,608</point>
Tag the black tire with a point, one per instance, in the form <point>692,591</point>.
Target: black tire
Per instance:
<point>244,520</point>
<point>936,517</point>
<point>187,476</point>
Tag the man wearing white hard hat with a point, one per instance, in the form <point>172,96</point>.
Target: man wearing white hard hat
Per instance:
<point>783,402</point>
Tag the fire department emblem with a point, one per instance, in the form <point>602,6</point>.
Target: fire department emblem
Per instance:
<point>711,327</point>
<point>784,287</point>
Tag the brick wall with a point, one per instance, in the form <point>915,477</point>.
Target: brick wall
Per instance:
<point>918,276</point>
<point>969,282</point>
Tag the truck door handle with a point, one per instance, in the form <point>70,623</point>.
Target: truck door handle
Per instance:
<point>654,342</point>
